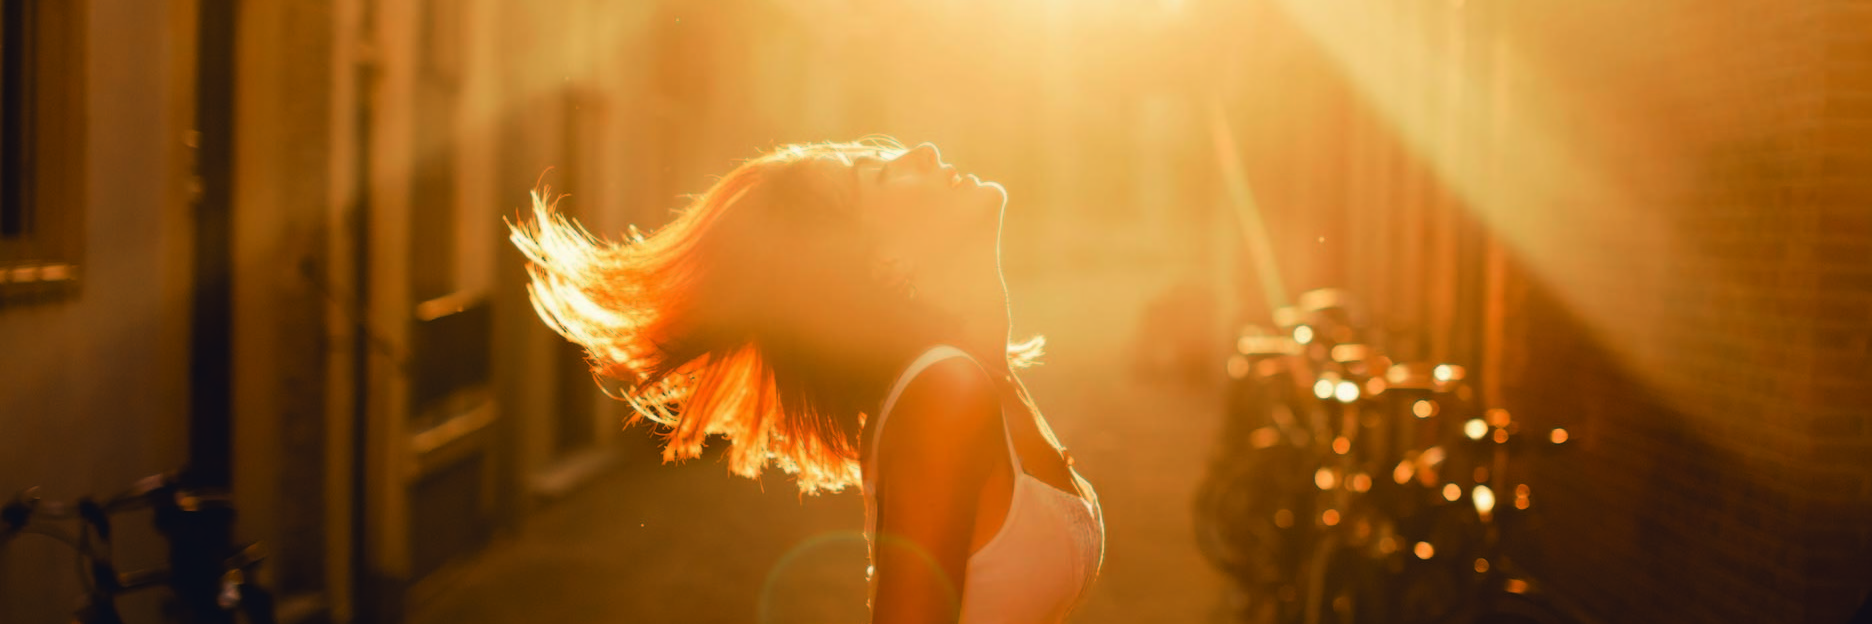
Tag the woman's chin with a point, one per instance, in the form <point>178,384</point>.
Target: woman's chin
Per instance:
<point>994,194</point>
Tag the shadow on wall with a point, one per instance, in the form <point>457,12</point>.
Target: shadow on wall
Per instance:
<point>1657,514</point>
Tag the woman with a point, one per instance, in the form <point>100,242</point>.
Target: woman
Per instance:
<point>839,310</point>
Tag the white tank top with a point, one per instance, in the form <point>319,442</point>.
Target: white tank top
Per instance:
<point>1041,563</point>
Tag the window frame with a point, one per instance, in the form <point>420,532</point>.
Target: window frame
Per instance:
<point>42,261</point>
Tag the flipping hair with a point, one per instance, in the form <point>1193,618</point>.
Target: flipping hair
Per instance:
<point>716,323</point>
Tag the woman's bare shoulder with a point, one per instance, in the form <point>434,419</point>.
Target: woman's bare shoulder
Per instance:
<point>948,405</point>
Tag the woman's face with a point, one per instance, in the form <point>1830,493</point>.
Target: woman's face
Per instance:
<point>928,215</point>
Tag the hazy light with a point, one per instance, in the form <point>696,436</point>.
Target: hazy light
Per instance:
<point>1283,518</point>
<point>1423,408</point>
<point>1330,518</point>
<point>1432,456</point>
<point>1361,482</point>
<point>1475,428</point>
<point>1516,586</point>
<point>1237,367</point>
<point>1443,372</point>
<point>1481,474</point>
<point>1451,492</point>
<point>1481,565</point>
<point>1375,386</point>
<point>1325,479</point>
<point>1403,472</point>
<point>1342,445</point>
<point>1424,550</point>
<point>1484,499</point>
<point>1303,334</point>
<point>1248,213</point>
<point>1347,392</point>
<point>1501,436</point>
<point>1497,417</point>
<point>1387,61</point>
<point>1559,436</point>
<point>1264,437</point>
<point>1323,389</point>
<point>1387,544</point>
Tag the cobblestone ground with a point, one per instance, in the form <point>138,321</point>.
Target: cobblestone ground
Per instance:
<point>690,544</point>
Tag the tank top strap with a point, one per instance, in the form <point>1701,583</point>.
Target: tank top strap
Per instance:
<point>935,354</point>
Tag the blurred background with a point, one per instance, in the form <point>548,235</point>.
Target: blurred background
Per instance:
<point>1610,262</point>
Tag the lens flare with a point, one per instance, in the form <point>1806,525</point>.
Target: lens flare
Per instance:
<point>1346,392</point>
<point>1303,334</point>
<point>1484,499</point>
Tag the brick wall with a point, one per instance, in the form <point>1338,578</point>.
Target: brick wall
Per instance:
<point>1681,194</point>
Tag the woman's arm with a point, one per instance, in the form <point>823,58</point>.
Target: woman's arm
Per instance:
<point>933,459</point>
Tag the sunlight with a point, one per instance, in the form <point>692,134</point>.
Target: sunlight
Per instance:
<point>1491,100</point>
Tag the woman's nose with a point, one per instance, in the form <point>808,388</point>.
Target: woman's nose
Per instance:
<point>925,155</point>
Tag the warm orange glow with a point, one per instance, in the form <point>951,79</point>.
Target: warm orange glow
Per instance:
<point>1424,550</point>
<point>1361,482</point>
<point>651,314</point>
<point>1424,408</point>
<point>1501,436</point>
<point>1501,87</point>
<point>1481,565</point>
<point>1497,417</point>
<point>1559,436</point>
<point>1237,367</point>
<point>1264,437</point>
<point>1451,492</point>
<point>1323,389</point>
<point>1283,518</point>
<point>1342,445</point>
<point>1474,428</point>
<point>1303,334</point>
<point>1484,499</point>
<point>1444,372</point>
<point>1346,392</point>
<point>1330,517</point>
<point>1516,586</point>
<point>1402,474</point>
<point>1325,478</point>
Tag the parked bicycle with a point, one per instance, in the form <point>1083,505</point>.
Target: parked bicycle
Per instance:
<point>209,578</point>
<point>1352,489</point>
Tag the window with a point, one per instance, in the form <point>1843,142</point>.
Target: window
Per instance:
<point>41,147</point>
